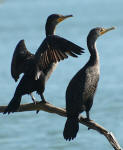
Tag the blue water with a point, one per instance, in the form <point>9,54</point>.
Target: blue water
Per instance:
<point>25,19</point>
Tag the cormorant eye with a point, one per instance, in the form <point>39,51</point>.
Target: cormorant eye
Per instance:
<point>101,31</point>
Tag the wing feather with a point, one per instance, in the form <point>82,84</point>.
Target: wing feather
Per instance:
<point>20,56</point>
<point>58,56</point>
<point>55,48</point>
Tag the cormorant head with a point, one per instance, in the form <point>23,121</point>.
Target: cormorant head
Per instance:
<point>96,32</point>
<point>52,21</point>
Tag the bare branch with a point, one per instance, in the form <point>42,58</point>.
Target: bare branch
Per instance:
<point>62,112</point>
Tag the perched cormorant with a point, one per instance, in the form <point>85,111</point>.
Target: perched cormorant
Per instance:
<point>38,68</point>
<point>81,89</point>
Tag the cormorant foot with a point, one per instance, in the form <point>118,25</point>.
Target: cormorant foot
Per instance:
<point>43,101</point>
<point>87,119</point>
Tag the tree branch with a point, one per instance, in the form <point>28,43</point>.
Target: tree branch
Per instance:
<point>62,112</point>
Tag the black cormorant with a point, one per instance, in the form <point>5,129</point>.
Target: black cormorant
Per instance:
<point>82,87</point>
<point>38,68</point>
<point>23,60</point>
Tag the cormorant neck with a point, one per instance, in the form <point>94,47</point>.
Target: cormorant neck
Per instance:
<point>50,29</point>
<point>91,43</point>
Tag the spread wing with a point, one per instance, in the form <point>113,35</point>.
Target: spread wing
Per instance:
<point>54,49</point>
<point>20,56</point>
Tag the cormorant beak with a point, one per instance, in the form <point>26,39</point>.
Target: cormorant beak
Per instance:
<point>61,18</point>
<point>106,30</point>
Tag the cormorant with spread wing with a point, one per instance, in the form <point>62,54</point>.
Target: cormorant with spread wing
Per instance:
<point>38,68</point>
<point>82,87</point>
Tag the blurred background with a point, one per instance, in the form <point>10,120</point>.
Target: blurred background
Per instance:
<point>26,20</point>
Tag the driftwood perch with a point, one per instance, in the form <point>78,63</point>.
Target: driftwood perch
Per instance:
<point>62,112</point>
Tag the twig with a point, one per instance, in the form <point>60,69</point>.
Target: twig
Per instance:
<point>62,112</point>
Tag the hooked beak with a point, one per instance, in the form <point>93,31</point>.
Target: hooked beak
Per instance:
<point>61,18</point>
<point>106,30</point>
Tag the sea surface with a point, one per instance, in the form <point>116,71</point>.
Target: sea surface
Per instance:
<point>25,19</point>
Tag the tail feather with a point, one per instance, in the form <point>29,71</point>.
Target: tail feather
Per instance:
<point>71,128</point>
<point>13,106</point>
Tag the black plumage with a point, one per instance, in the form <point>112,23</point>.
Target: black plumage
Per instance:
<point>26,86</point>
<point>38,68</point>
<point>81,89</point>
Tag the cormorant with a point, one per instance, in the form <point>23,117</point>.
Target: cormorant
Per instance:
<point>38,68</point>
<point>82,87</point>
